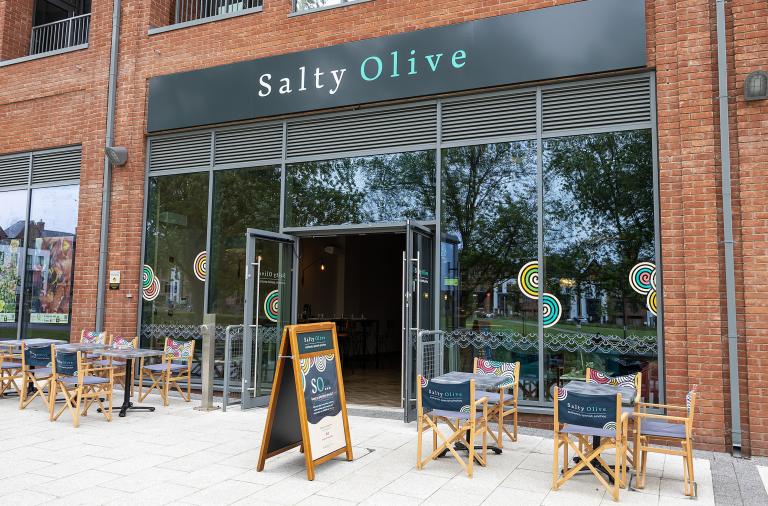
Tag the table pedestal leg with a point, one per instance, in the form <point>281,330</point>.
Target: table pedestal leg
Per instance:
<point>596,441</point>
<point>127,404</point>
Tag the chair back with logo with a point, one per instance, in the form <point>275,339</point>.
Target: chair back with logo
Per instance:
<point>37,356</point>
<point>67,363</point>
<point>633,380</point>
<point>601,411</point>
<point>93,337</point>
<point>445,397</point>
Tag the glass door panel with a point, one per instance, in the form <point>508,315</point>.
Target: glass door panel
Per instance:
<point>271,261</point>
<point>417,305</point>
<point>50,262</point>
<point>12,225</point>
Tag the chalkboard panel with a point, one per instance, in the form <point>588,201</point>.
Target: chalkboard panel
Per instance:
<point>286,430</point>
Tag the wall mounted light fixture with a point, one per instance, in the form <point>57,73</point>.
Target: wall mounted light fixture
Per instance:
<point>756,85</point>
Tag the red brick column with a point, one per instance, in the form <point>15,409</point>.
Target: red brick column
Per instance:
<point>15,27</point>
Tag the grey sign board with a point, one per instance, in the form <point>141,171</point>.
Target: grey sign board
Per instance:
<point>568,40</point>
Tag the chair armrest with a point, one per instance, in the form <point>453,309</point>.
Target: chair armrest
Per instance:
<point>665,406</point>
<point>666,418</point>
<point>481,400</point>
<point>102,368</point>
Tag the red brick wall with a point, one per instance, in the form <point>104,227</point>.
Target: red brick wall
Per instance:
<point>681,48</point>
<point>16,27</point>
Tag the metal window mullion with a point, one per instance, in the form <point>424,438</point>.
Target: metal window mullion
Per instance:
<point>657,244</point>
<point>145,211</point>
<point>540,242</point>
<point>437,243</point>
<point>283,187</point>
<point>208,229</point>
<point>23,268</point>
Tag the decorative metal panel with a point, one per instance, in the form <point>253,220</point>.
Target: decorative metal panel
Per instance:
<point>507,115</point>
<point>14,170</point>
<point>597,104</point>
<point>49,167</point>
<point>184,152</point>
<point>250,144</point>
<point>360,131</point>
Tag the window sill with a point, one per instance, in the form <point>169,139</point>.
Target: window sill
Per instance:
<point>203,21</point>
<point>327,8</point>
<point>23,59</point>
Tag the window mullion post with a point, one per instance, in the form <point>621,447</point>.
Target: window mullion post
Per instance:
<point>540,243</point>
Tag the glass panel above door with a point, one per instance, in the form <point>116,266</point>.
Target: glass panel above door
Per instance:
<point>366,189</point>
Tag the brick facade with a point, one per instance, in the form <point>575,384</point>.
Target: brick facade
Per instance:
<point>61,100</point>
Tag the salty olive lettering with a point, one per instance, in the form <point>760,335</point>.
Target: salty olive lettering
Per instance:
<point>372,67</point>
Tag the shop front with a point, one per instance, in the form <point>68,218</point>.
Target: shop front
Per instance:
<point>508,198</point>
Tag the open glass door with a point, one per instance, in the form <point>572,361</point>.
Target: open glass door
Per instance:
<point>417,313</point>
<point>271,261</point>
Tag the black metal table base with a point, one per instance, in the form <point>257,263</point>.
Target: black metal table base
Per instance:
<point>461,447</point>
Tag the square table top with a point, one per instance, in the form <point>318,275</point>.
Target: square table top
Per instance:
<point>31,342</point>
<point>130,353</point>
<point>482,381</point>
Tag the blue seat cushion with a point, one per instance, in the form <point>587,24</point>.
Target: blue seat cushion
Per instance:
<point>161,367</point>
<point>41,371</point>
<point>662,429</point>
<point>11,365</point>
<point>452,414</point>
<point>588,431</point>
<point>87,380</point>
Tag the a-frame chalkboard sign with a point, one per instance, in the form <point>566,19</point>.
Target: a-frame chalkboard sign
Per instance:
<point>307,406</point>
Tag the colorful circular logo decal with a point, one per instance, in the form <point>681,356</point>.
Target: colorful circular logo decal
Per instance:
<point>272,306</point>
<point>653,279</point>
<point>201,265</point>
<point>528,279</point>
<point>651,302</point>
<point>642,277</point>
<point>153,291</point>
<point>552,310</point>
<point>147,276</point>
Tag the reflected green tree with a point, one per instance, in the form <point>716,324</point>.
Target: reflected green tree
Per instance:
<point>489,201</point>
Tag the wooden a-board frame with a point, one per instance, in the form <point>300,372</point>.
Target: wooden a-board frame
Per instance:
<point>289,350</point>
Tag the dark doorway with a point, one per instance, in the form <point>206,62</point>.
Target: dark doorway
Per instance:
<point>356,281</point>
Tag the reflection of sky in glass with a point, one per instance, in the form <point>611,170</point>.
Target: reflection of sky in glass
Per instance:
<point>57,207</point>
<point>13,207</point>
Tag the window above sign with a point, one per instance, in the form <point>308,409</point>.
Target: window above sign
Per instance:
<point>309,6</point>
<point>169,15</point>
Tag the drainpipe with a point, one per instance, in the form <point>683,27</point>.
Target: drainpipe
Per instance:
<point>730,279</point>
<point>107,188</point>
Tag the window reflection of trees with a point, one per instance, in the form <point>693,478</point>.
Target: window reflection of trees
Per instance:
<point>368,189</point>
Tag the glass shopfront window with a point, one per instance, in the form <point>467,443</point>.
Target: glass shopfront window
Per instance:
<point>175,263</point>
<point>366,189</point>
<point>489,222</point>
<point>600,265</point>
<point>242,199</point>
<point>12,224</point>
<point>50,262</point>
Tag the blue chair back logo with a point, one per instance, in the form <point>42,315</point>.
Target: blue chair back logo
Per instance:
<point>444,396</point>
<point>597,411</point>
<point>66,363</point>
<point>37,356</point>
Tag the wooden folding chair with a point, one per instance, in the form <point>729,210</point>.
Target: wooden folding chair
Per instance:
<point>668,430</point>
<point>81,386</point>
<point>585,416</point>
<point>443,402</point>
<point>169,371</point>
<point>634,381</point>
<point>10,369</point>
<point>501,403</point>
<point>36,371</point>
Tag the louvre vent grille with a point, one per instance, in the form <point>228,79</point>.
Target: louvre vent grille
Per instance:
<point>188,152</point>
<point>363,131</point>
<point>494,116</point>
<point>14,170</point>
<point>56,166</point>
<point>597,104</point>
<point>249,144</point>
